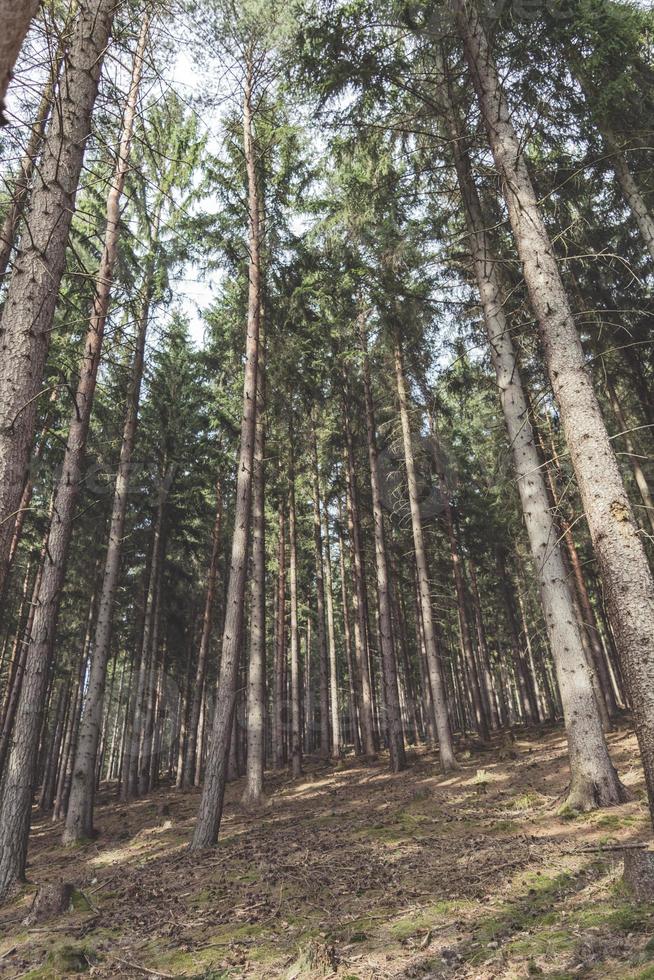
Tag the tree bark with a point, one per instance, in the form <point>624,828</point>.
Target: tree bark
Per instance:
<point>15,19</point>
<point>482,644</point>
<point>79,819</point>
<point>190,754</point>
<point>364,686</point>
<point>28,164</point>
<point>279,706</point>
<point>296,705</point>
<point>460,589</point>
<point>211,803</point>
<point>16,803</point>
<point>323,663</point>
<point>331,639</point>
<point>347,639</point>
<point>32,295</point>
<point>437,685</point>
<point>256,681</point>
<point>593,778</point>
<point>389,667</point>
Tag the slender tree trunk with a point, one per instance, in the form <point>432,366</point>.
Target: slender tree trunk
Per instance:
<point>188,771</point>
<point>482,643</point>
<point>389,667</point>
<point>65,772</point>
<point>323,663</point>
<point>17,649</point>
<point>347,639</point>
<point>331,638</point>
<point>296,720</point>
<point>50,772</point>
<point>460,589</point>
<point>632,452</point>
<point>279,692</point>
<point>256,681</point>
<point>137,706</point>
<point>617,159</point>
<point>147,728</point>
<point>593,778</point>
<point>364,685</point>
<point>79,819</point>
<point>211,804</point>
<point>306,674</point>
<point>15,19</point>
<point>32,295</point>
<point>439,697</point>
<point>632,192</point>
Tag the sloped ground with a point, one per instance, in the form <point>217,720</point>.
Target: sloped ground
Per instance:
<point>355,873</point>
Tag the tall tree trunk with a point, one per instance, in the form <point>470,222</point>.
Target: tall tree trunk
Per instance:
<point>29,162</point>
<point>16,804</point>
<point>256,679</point>
<point>460,589</point>
<point>586,609</point>
<point>17,649</point>
<point>279,692</point>
<point>137,705</point>
<point>437,685</point>
<point>389,667</point>
<point>190,754</point>
<point>211,803</point>
<point>323,663</point>
<point>347,639</point>
<point>331,639</point>
<point>617,158</point>
<point>15,19</point>
<point>364,686</point>
<point>593,778</point>
<point>306,673</point>
<point>482,644</point>
<point>32,295</point>
<point>79,818</point>
<point>296,706</point>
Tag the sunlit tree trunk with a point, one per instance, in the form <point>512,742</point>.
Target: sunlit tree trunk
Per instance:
<point>256,679</point>
<point>15,809</point>
<point>32,295</point>
<point>593,778</point>
<point>438,693</point>
<point>211,804</point>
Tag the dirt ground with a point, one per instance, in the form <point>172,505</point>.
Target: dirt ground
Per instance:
<point>355,873</point>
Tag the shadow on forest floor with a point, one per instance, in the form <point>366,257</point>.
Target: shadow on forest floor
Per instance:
<point>356,873</point>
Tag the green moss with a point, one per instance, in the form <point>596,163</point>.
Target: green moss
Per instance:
<point>64,960</point>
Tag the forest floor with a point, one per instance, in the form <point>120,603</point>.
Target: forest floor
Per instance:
<point>355,873</point>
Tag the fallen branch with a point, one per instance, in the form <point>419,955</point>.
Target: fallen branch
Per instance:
<point>633,846</point>
<point>144,969</point>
